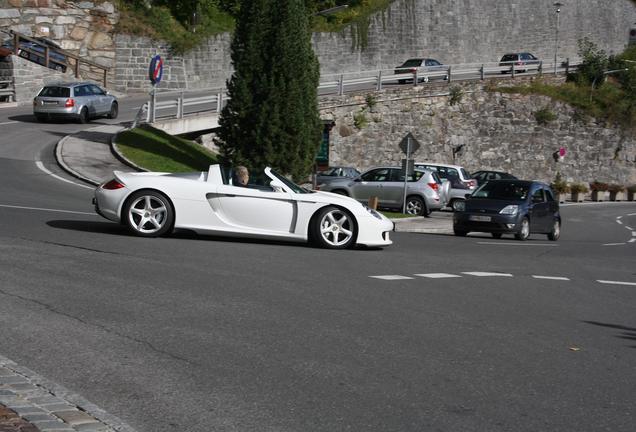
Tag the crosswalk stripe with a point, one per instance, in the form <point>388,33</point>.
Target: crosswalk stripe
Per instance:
<point>616,282</point>
<point>391,277</point>
<point>551,277</point>
<point>487,274</point>
<point>437,275</point>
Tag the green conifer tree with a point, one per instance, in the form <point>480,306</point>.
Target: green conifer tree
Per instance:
<point>272,116</point>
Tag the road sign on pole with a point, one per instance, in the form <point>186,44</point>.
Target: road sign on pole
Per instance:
<point>408,145</point>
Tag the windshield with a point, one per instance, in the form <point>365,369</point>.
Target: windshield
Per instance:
<point>332,172</point>
<point>290,184</point>
<point>502,191</point>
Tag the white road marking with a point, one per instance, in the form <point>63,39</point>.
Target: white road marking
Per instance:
<point>551,277</point>
<point>619,222</point>
<point>628,227</point>
<point>632,240</point>
<point>619,217</point>
<point>7,123</point>
<point>41,166</point>
<point>45,209</point>
<point>614,244</point>
<point>518,244</point>
<point>616,282</point>
<point>391,277</point>
<point>437,275</point>
<point>487,274</point>
<point>631,214</point>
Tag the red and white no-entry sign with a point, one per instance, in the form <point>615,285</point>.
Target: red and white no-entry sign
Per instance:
<point>155,71</point>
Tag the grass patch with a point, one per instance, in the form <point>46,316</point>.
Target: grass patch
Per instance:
<point>156,150</point>
<point>351,15</point>
<point>394,215</point>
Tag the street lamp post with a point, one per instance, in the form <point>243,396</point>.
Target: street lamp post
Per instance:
<point>556,36</point>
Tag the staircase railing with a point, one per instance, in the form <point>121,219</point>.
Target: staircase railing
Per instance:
<point>44,52</point>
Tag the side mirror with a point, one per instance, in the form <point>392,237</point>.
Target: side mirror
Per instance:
<point>467,196</point>
<point>277,185</point>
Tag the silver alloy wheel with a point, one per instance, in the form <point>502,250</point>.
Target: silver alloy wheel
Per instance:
<point>414,207</point>
<point>147,214</point>
<point>336,228</point>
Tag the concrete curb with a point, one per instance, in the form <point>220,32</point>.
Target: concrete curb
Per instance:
<point>60,161</point>
<point>52,395</point>
<point>114,149</point>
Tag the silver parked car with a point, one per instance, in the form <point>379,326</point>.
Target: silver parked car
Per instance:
<point>79,101</point>
<point>461,183</point>
<point>335,173</point>
<point>425,190</point>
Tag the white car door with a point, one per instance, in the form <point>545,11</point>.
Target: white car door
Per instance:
<point>256,209</point>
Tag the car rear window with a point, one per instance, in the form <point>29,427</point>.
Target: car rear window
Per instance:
<point>509,57</point>
<point>412,63</point>
<point>52,91</point>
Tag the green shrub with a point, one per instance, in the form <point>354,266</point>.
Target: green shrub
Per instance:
<point>456,95</point>
<point>613,187</point>
<point>371,101</point>
<point>544,116</point>
<point>360,119</point>
<point>631,188</point>
<point>559,185</point>
<point>578,188</point>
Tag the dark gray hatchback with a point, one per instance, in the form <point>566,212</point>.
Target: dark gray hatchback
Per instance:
<point>516,207</point>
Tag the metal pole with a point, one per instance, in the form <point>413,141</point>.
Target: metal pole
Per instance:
<point>379,87</point>
<point>153,104</point>
<point>406,170</point>
<point>556,37</point>
<point>341,85</point>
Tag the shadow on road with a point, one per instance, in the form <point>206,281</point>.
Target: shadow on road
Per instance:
<point>30,118</point>
<point>628,333</point>
<point>89,226</point>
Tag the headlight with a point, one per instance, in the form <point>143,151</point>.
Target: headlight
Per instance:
<point>460,205</point>
<point>374,213</point>
<point>510,210</point>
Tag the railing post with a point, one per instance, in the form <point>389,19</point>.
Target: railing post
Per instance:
<point>77,65</point>
<point>379,87</point>
<point>481,71</point>
<point>105,77</point>
<point>180,105</point>
<point>512,70</point>
<point>540,70</point>
<point>16,43</point>
<point>46,56</point>
<point>341,85</point>
<point>219,101</point>
<point>567,66</point>
<point>449,74</point>
<point>415,78</point>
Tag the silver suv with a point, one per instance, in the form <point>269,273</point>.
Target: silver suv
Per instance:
<point>80,101</point>
<point>425,190</point>
<point>461,183</point>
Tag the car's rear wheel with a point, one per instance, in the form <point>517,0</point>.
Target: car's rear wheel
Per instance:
<point>415,206</point>
<point>524,230</point>
<point>496,235</point>
<point>556,231</point>
<point>333,228</point>
<point>148,214</point>
<point>83,116</point>
<point>114,111</point>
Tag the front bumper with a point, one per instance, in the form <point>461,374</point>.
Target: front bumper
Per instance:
<point>374,232</point>
<point>498,223</point>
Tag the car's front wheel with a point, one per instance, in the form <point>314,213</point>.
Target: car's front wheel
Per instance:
<point>524,230</point>
<point>333,228</point>
<point>114,111</point>
<point>148,214</point>
<point>555,233</point>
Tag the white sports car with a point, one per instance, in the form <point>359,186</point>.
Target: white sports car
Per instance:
<point>151,204</point>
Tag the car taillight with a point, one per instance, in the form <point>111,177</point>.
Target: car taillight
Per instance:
<point>434,186</point>
<point>69,103</point>
<point>35,102</point>
<point>471,183</point>
<point>412,70</point>
<point>113,184</point>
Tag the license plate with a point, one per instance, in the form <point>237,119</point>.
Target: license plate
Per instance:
<point>49,103</point>
<point>480,218</point>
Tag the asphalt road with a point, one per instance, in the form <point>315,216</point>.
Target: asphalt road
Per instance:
<point>194,333</point>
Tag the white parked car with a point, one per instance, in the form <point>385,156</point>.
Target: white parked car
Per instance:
<point>271,206</point>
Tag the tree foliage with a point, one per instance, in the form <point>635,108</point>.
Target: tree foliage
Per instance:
<point>272,116</point>
<point>594,64</point>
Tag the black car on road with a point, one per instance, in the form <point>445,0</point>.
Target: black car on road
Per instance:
<point>516,207</point>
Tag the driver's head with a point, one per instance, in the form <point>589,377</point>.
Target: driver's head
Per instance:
<point>242,175</point>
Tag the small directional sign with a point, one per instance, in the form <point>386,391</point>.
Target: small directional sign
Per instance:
<point>409,139</point>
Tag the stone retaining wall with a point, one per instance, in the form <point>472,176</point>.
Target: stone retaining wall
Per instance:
<point>31,77</point>
<point>497,131</point>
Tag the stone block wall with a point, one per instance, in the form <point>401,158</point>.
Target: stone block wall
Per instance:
<point>31,77</point>
<point>497,131</point>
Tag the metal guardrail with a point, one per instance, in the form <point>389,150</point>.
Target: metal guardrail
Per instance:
<point>172,104</point>
<point>46,55</point>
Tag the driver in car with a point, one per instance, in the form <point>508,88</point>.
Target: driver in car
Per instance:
<point>242,176</point>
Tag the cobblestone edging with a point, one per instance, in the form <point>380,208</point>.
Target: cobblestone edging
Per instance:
<point>48,406</point>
